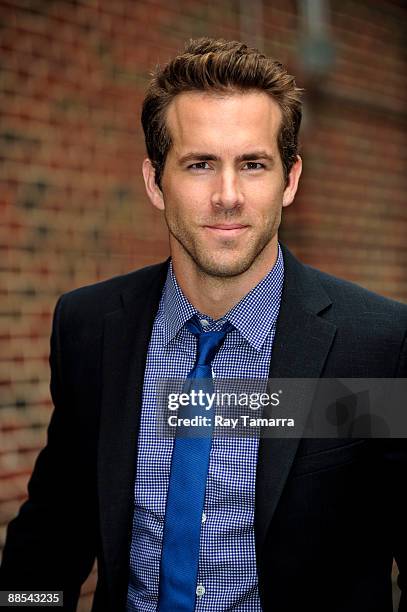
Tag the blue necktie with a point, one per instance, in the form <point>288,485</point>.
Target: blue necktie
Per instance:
<point>186,490</point>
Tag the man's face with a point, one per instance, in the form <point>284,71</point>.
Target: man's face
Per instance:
<point>223,184</point>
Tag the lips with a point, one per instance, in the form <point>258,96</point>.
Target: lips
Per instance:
<point>226,230</point>
<point>227,227</point>
<point>230,230</point>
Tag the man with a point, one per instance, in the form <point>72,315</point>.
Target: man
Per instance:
<point>283,523</point>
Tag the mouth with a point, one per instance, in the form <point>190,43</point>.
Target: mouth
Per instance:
<point>227,229</point>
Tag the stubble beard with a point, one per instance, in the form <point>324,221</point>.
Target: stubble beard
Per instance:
<point>213,264</point>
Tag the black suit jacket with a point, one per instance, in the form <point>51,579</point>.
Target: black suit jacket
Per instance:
<point>330,513</point>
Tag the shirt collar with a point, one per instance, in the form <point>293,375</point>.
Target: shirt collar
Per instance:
<point>176,309</point>
<point>261,304</point>
<point>256,314</point>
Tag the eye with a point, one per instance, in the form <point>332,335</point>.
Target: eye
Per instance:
<point>254,166</point>
<point>199,166</point>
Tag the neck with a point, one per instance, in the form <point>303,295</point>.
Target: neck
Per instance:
<point>214,295</point>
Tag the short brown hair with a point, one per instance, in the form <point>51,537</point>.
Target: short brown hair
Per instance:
<point>218,65</point>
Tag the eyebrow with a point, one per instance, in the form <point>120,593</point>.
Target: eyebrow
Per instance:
<point>201,156</point>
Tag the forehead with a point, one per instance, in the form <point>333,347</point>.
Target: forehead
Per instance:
<point>217,121</point>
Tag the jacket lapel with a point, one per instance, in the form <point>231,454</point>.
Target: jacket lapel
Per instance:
<point>126,337</point>
<point>301,345</point>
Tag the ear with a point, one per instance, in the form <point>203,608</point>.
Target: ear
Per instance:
<point>153,191</point>
<point>292,182</point>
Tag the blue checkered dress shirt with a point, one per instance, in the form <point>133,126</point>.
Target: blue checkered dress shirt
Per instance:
<point>227,576</point>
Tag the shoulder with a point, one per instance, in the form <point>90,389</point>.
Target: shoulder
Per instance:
<point>371,330</point>
<point>352,300</point>
<point>367,324</point>
<point>338,299</point>
<point>96,300</point>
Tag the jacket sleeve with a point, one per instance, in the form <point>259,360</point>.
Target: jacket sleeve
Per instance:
<point>399,476</point>
<point>50,545</point>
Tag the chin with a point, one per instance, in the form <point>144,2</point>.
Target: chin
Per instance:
<point>225,269</point>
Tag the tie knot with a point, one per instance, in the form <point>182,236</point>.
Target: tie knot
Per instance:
<point>208,342</point>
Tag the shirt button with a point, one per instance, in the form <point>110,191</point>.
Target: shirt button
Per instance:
<point>203,517</point>
<point>200,590</point>
<point>204,322</point>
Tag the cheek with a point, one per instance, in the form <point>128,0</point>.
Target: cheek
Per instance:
<point>267,190</point>
<point>264,205</point>
<point>180,208</point>
<point>186,203</point>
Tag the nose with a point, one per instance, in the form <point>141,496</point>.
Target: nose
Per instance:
<point>227,193</point>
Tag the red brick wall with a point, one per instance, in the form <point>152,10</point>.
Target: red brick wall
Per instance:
<point>350,217</point>
<point>72,204</point>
